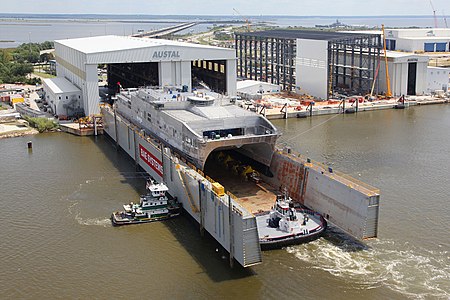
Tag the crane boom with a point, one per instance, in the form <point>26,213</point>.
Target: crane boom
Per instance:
<point>388,79</point>
<point>244,18</point>
<point>434,15</point>
<point>445,19</point>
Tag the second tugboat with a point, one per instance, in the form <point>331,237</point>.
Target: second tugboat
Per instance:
<point>157,205</point>
<point>286,225</point>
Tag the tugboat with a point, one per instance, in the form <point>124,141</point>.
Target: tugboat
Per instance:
<point>157,205</point>
<point>286,225</point>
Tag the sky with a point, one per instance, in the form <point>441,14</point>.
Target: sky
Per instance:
<point>224,7</point>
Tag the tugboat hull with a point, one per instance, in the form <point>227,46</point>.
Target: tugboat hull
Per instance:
<point>120,218</point>
<point>273,238</point>
<point>278,243</point>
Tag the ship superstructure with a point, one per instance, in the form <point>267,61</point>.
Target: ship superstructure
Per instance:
<point>198,123</point>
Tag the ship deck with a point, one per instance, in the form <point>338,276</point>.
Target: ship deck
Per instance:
<point>265,230</point>
<point>255,198</point>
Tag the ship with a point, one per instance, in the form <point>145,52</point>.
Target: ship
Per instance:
<point>156,205</point>
<point>195,124</point>
<point>203,125</point>
<point>286,225</point>
<point>224,166</point>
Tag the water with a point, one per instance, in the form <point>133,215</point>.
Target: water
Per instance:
<point>17,29</point>
<point>13,33</point>
<point>57,240</point>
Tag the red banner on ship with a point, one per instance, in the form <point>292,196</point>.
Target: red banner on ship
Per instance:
<point>151,160</point>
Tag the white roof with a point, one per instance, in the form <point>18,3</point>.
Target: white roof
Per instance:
<point>60,85</point>
<point>108,43</point>
<point>249,83</point>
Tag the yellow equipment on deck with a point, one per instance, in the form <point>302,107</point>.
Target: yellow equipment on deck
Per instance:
<point>218,189</point>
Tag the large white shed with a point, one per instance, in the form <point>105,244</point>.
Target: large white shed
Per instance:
<point>78,60</point>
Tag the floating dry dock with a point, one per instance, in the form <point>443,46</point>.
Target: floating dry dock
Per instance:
<point>228,216</point>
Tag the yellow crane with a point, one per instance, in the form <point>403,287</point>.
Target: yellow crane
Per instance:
<point>388,79</point>
<point>244,18</point>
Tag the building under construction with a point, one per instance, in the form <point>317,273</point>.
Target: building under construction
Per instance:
<point>318,63</point>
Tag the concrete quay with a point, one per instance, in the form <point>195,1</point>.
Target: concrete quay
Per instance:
<point>329,109</point>
<point>80,130</point>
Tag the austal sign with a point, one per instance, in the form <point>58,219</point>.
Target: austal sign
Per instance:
<point>151,160</point>
<point>166,54</point>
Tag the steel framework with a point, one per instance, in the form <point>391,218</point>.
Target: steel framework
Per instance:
<point>270,56</point>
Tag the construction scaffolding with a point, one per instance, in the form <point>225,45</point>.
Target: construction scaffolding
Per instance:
<point>271,56</point>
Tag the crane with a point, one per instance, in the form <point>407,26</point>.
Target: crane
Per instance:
<point>244,18</point>
<point>434,15</point>
<point>388,79</point>
<point>445,19</point>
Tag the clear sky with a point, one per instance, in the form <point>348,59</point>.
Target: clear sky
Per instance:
<point>224,7</point>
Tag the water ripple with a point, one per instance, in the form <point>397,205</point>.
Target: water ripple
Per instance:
<point>413,271</point>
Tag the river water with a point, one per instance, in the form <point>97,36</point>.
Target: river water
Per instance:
<point>57,240</point>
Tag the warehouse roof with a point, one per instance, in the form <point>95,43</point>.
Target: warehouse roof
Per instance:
<point>249,83</point>
<point>60,85</point>
<point>108,43</point>
<point>304,34</point>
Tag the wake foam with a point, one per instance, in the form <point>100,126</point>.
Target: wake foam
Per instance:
<point>413,271</point>
<point>93,222</point>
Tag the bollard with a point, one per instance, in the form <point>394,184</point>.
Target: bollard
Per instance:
<point>30,145</point>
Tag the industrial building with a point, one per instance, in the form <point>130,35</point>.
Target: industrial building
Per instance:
<point>407,73</point>
<point>318,63</point>
<point>134,62</point>
<point>409,52</point>
<point>63,97</point>
<point>438,79</point>
<point>418,39</point>
<point>252,89</point>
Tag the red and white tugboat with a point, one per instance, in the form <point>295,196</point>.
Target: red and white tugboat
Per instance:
<point>286,225</point>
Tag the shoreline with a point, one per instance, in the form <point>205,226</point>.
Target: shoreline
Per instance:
<point>13,134</point>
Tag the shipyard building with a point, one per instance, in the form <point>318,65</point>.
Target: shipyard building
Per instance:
<point>135,62</point>
<point>418,40</point>
<point>318,63</point>
<point>321,63</point>
<point>415,56</point>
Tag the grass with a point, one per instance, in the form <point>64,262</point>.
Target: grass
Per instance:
<point>42,124</point>
<point>43,75</point>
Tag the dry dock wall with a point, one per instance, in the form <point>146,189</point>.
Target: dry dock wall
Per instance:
<point>344,201</point>
<point>233,228</point>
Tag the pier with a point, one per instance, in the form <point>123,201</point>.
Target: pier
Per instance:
<point>165,31</point>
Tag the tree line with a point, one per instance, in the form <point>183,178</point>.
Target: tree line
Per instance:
<point>17,63</point>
